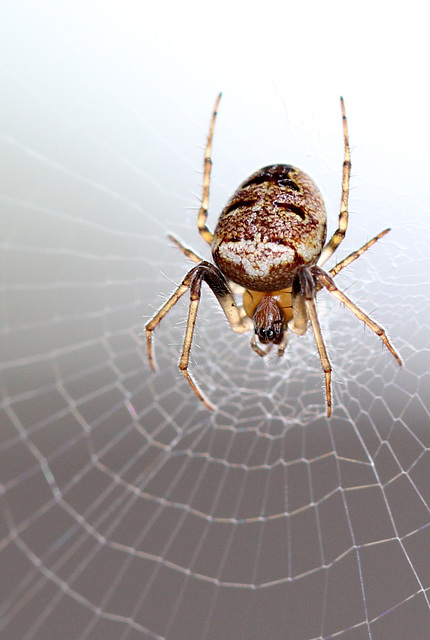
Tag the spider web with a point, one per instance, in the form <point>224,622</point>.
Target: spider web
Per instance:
<point>130,511</point>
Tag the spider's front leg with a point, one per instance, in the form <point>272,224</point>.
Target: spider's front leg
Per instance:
<point>207,272</point>
<point>303,299</point>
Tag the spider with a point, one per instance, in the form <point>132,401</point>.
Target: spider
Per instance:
<point>269,240</point>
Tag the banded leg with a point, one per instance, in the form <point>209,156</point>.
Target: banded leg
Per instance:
<point>203,212</point>
<point>325,362</point>
<point>195,294</point>
<point>353,256</point>
<point>299,322</point>
<point>327,281</point>
<point>339,234</point>
<point>356,254</point>
<point>207,272</point>
<point>155,321</point>
<point>187,252</point>
<point>304,289</point>
<point>236,289</point>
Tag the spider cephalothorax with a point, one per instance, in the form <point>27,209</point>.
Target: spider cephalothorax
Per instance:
<point>269,240</point>
<point>269,321</point>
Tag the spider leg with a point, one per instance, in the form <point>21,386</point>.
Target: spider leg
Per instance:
<point>207,272</point>
<point>203,212</point>
<point>188,252</point>
<point>155,321</point>
<point>284,342</point>
<point>325,362</point>
<point>236,289</point>
<point>356,254</point>
<point>339,234</point>
<point>304,302</point>
<point>214,278</point>
<point>327,281</point>
<point>299,322</point>
<point>353,256</point>
<point>195,294</point>
<point>255,347</point>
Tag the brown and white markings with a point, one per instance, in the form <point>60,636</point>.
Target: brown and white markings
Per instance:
<point>270,240</point>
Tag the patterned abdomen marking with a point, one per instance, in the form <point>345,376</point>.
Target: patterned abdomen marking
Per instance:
<point>274,223</point>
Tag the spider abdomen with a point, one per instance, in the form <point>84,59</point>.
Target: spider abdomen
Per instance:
<point>273,224</point>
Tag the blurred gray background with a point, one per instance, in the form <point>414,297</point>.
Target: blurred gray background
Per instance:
<point>128,510</point>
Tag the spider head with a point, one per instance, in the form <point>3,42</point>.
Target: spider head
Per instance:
<point>269,320</point>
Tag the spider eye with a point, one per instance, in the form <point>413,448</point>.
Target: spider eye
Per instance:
<point>266,335</point>
<point>268,320</point>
